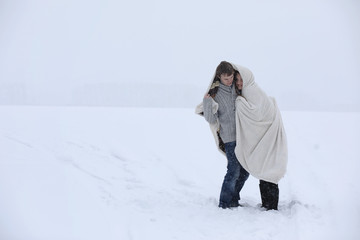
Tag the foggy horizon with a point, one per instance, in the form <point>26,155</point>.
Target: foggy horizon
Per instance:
<point>306,54</point>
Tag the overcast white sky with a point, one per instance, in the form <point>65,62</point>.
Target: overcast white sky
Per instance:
<point>306,53</point>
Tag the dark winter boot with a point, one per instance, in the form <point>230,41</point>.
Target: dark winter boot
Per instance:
<point>263,195</point>
<point>269,195</point>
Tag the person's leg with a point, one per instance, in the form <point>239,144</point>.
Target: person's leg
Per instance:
<point>269,195</point>
<point>229,186</point>
<point>244,175</point>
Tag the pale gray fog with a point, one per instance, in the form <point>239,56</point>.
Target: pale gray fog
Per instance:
<point>305,53</point>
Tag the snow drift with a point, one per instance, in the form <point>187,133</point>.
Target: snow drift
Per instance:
<point>124,173</point>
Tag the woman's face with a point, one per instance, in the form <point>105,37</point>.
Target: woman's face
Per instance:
<point>239,81</point>
<point>227,79</point>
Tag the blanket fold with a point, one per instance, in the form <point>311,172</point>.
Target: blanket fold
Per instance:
<point>261,145</point>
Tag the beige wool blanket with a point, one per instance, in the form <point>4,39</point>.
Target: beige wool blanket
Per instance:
<point>261,145</point>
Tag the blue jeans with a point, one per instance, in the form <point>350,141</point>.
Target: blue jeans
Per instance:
<point>234,179</point>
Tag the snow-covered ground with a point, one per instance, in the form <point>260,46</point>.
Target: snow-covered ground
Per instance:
<point>141,173</point>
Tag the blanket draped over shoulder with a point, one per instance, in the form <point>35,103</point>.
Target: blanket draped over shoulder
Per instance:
<point>261,145</point>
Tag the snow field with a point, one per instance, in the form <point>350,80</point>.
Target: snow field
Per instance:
<point>143,173</point>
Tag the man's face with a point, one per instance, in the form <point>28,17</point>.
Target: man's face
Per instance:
<point>227,79</point>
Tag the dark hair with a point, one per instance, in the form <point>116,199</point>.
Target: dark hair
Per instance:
<point>238,91</point>
<point>224,68</point>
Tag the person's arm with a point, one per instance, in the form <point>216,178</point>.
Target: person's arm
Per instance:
<point>208,114</point>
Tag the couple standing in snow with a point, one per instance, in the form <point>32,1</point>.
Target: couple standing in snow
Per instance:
<point>248,129</point>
